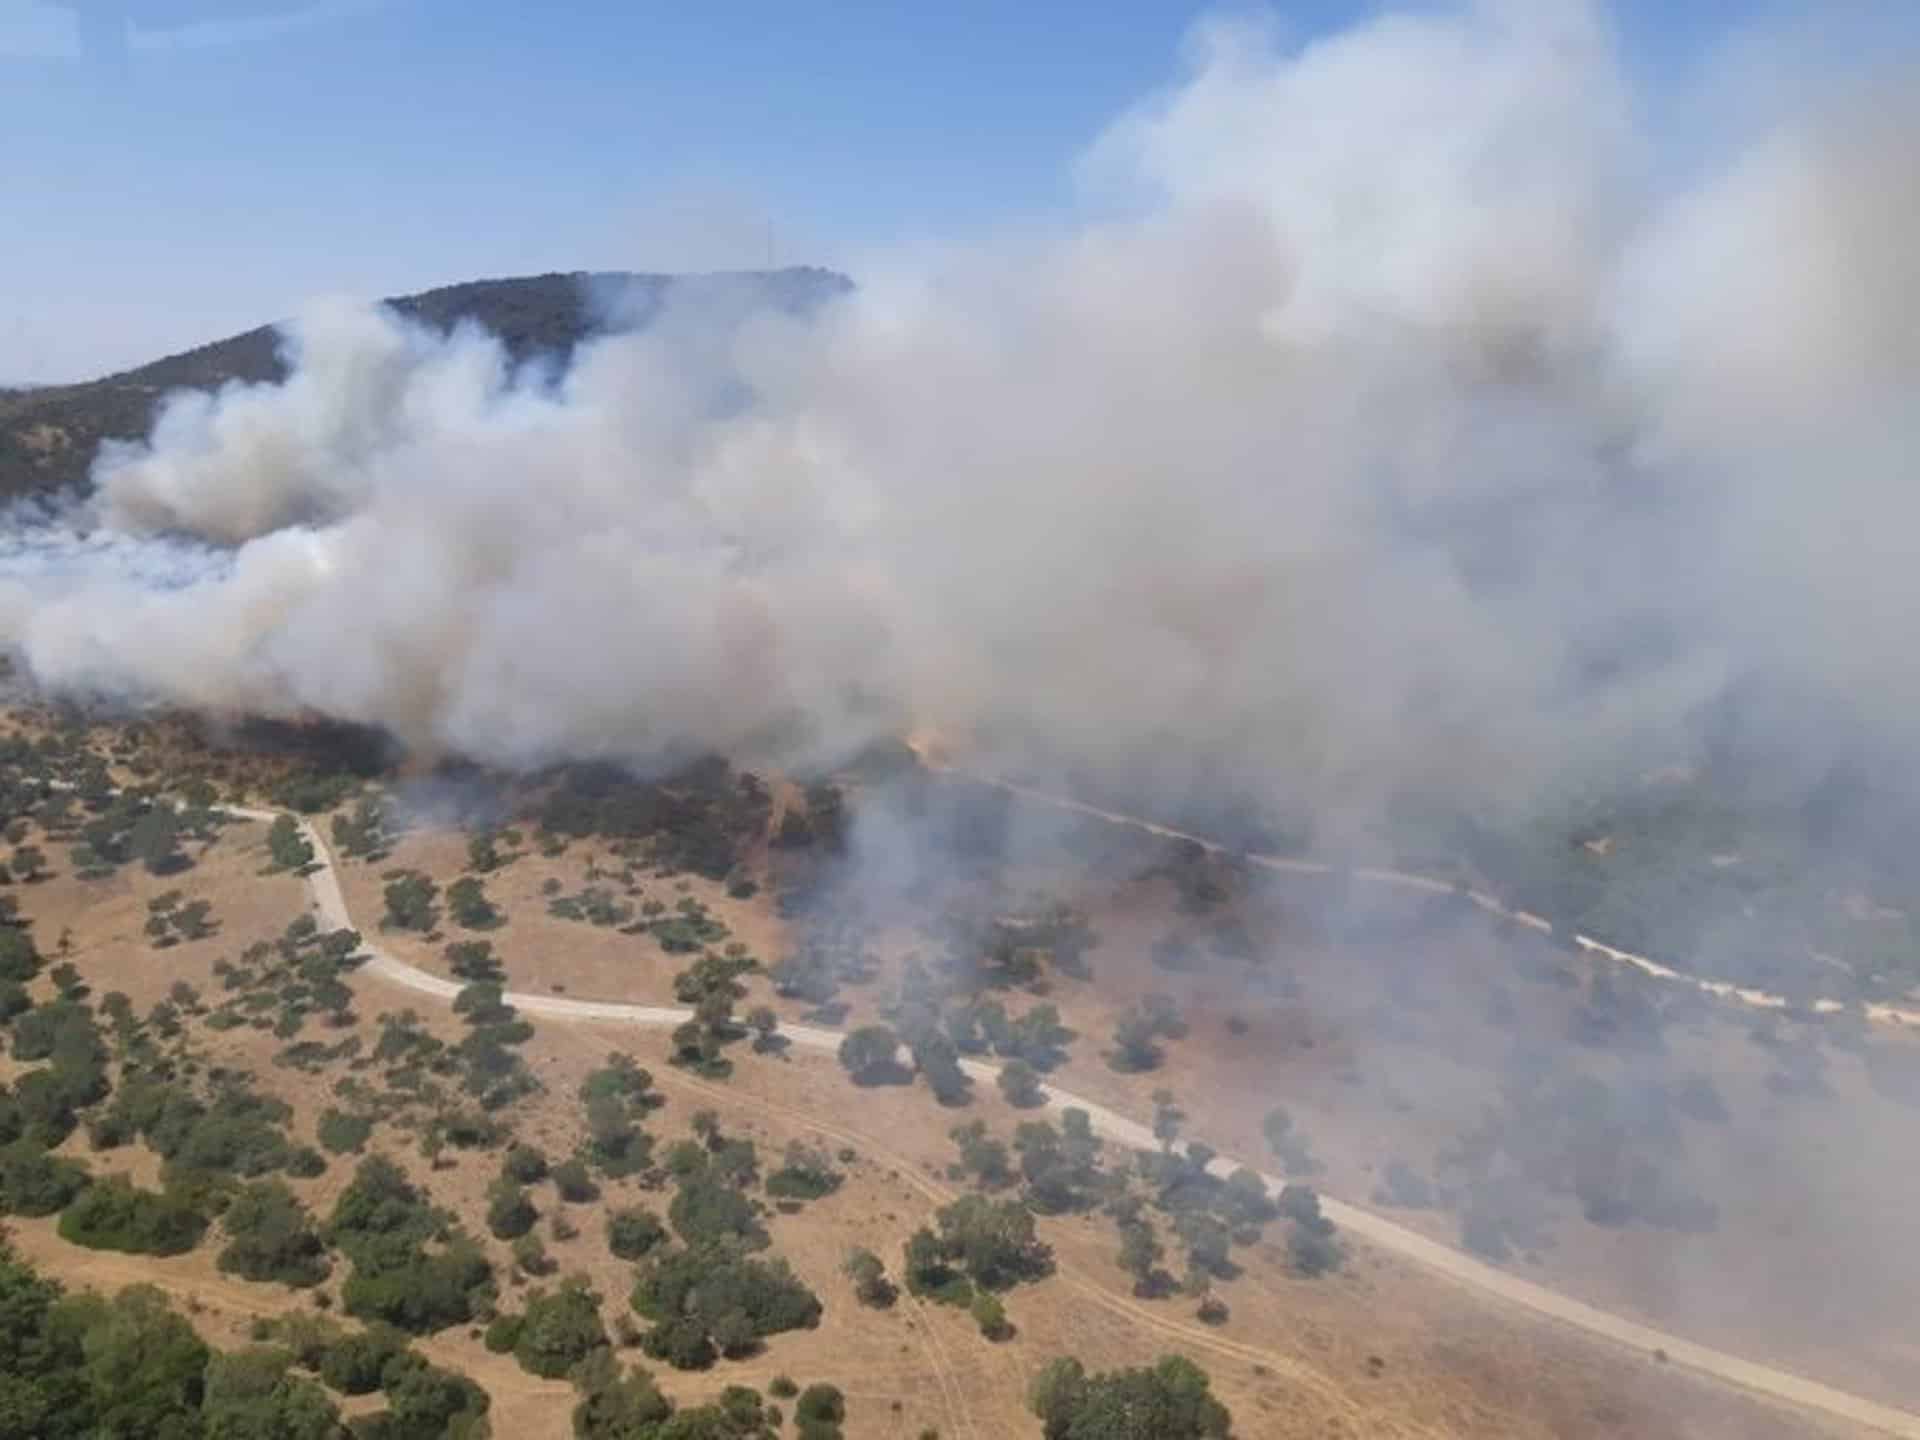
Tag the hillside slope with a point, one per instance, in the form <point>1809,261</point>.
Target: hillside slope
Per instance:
<point>49,436</point>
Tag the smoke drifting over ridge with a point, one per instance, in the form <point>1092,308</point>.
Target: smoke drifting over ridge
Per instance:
<point>1402,435</point>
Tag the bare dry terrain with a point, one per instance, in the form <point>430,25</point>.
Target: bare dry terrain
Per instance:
<point>1381,1347</point>
<point>1389,1049</point>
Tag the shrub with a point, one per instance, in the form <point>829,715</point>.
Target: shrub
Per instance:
<point>705,1208</point>
<point>410,898</point>
<point>483,1003</point>
<point>530,1253</point>
<point>938,1062</point>
<point>1312,1252</point>
<point>250,1393</point>
<point>559,1330</point>
<point>470,1130</point>
<point>19,960</point>
<point>271,1237</point>
<point>287,845</point>
<point>526,1164</point>
<point>1020,1084</point>
<point>422,1292</point>
<point>982,1155</point>
<point>805,1174</point>
<point>474,960</point>
<point>354,1363</point>
<point>364,834</point>
<point>34,1183</point>
<point>341,1131</point>
<point>483,852</point>
<point>614,1406</point>
<point>990,1315</point>
<point>870,1055</point>
<point>633,1232</point>
<point>711,1298</point>
<point>820,1403</point>
<point>1288,1144</point>
<point>305,1337</point>
<point>1171,1401</point>
<point>384,1224</point>
<point>575,1182</point>
<point>114,1214</point>
<point>1301,1204</point>
<point>467,901</point>
<point>869,1277</point>
<point>424,1400</point>
<point>510,1214</point>
<point>1134,1044</point>
<point>992,1241</point>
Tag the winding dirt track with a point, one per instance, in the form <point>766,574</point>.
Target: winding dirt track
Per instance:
<point>331,907</point>
<point>1427,885</point>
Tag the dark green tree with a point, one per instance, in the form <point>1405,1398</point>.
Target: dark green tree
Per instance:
<point>616,1405</point>
<point>154,840</point>
<point>271,1237</point>
<point>869,1276</point>
<point>411,898</point>
<point>29,863</point>
<point>254,1395</point>
<point>559,1329</point>
<point>871,1055</point>
<point>144,1366</point>
<point>1020,1083</point>
<point>631,1233</point>
<point>1134,1043</point>
<point>510,1214</point>
<point>287,845</point>
<point>468,903</point>
<point>1171,1401</point>
<point>115,1214</point>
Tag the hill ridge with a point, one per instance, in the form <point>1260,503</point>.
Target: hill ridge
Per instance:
<point>50,434</point>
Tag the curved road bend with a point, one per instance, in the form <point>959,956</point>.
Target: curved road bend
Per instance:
<point>331,906</point>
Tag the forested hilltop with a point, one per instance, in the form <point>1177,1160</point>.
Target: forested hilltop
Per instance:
<point>49,435</point>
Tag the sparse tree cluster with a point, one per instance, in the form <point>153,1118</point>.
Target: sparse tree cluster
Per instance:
<point>272,1237</point>
<point>618,1097</point>
<point>467,902</point>
<point>1172,1400</point>
<point>1139,1031</point>
<point>711,1300</point>
<point>287,845</point>
<point>365,833</point>
<point>990,1243</point>
<point>78,1367</point>
<point>413,1268</point>
<point>411,901</point>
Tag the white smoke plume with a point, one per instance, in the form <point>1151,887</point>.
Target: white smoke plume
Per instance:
<point>1411,425</point>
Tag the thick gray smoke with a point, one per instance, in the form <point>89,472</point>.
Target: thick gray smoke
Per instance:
<point>1412,426</point>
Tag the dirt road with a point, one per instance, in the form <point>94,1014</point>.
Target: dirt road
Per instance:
<point>1426,884</point>
<point>331,910</point>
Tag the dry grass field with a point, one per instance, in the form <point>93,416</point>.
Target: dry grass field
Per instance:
<point>1385,1040</point>
<point>1391,1049</point>
<point>1377,1349</point>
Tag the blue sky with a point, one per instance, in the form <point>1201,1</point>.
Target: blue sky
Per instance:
<point>174,170</point>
